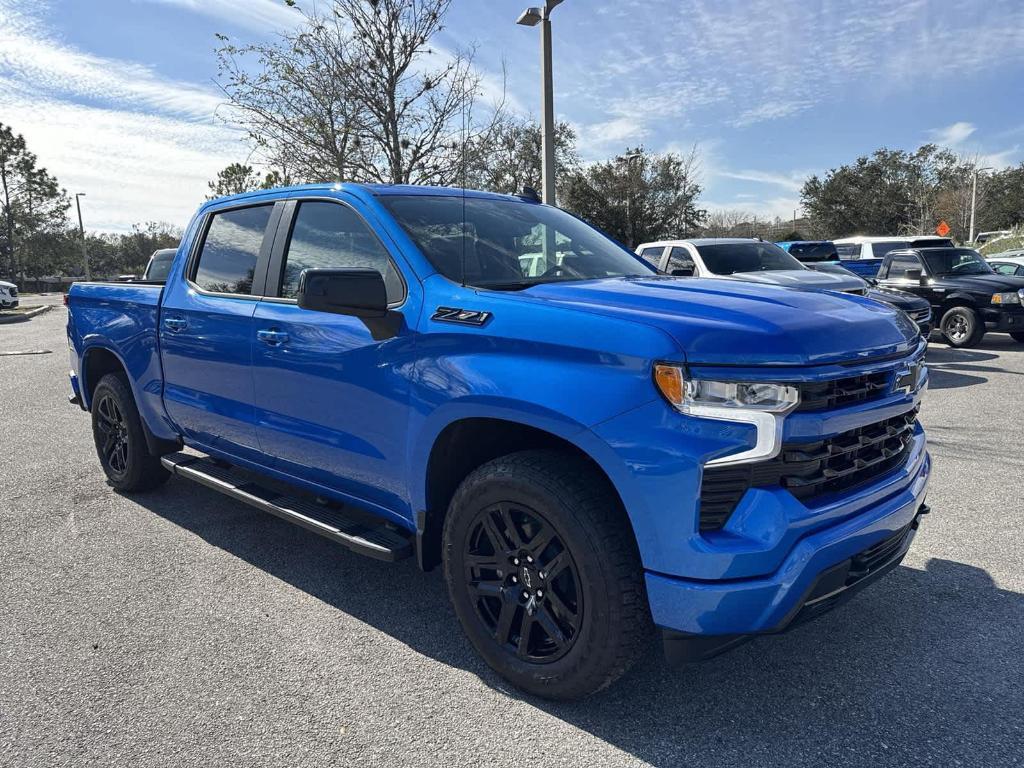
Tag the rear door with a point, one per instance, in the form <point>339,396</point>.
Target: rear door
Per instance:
<point>331,403</point>
<point>206,329</point>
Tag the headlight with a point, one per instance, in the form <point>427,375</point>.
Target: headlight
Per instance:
<point>692,395</point>
<point>764,405</point>
<point>1007,298</point>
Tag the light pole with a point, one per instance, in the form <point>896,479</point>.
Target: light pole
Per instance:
<point>974,200</point>
<point>531,17</point>
<point>628,159</point>
<point>81,231</point>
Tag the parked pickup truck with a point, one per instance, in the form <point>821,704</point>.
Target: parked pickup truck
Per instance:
<point>734,258</point>
<point>586,451</point>
<point>968,297</point>
<point>863,255</point>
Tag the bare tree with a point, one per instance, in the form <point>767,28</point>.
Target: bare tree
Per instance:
<point>358,93</point>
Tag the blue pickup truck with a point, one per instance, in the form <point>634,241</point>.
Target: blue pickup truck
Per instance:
<point>588,448</point>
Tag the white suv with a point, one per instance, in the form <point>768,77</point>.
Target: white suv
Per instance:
<point>8,295</point>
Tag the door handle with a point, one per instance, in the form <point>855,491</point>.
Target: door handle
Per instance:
<point>175,324</point>
<point>272,337</point>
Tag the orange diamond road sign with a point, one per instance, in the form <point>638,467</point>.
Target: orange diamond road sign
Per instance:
<point>942,230</point>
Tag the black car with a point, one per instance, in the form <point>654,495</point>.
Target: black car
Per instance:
<point>919,309</point>
<point>968,298</point>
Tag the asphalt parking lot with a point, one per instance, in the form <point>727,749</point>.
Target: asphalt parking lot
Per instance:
<point>181,628</point>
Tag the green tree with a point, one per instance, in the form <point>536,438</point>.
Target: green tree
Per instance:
<point>890,192</point>
<point>31,203</point>
<point>237,178</point>
<point>639,196</point>
<point>508,158</point>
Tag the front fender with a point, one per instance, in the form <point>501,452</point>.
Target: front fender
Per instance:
<point>482,407</point>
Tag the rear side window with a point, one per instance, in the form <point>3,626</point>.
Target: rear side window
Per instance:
<point>332,236</point>
<point>231,249</point>
<point>878,250</point>
<point>813,251</point>
<point>848,250</point>
<point>900,264</point>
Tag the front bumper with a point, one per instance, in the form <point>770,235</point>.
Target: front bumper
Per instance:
<point>1004,320</point>
<point>721,612</point>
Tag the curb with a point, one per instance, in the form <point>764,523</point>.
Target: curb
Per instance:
<point>25,315</point>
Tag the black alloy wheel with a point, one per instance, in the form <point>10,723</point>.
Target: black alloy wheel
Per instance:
<point>114,432</point>
<point>524,583</point>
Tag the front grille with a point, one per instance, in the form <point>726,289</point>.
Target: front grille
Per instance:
<point>921,315</point>
<point>811,470</point>
<point>822,395</point>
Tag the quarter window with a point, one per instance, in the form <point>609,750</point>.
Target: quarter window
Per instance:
<point>332,236</point>
<point>652,256</point>
<point>231,249</point>
<point>680,258</point>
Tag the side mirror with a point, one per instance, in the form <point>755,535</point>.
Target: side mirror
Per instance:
<point>682,272</point>
<point>357,292</point>
<point>914,274</point>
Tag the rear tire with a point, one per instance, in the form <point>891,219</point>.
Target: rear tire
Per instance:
<point>1017,336</point>
<point>961,327</point>
<point>544,574</point>
<point>120,440</point>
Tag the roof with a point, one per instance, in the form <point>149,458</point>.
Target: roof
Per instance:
<point>884,239</point>
<point>700,241</point>
<point>372,189</point>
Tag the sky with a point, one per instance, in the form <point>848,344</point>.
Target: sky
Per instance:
<point>118,98</point>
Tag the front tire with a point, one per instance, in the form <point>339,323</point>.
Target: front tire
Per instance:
<point>544,574</point>
<point>120,441</point>
<point>961,327</point>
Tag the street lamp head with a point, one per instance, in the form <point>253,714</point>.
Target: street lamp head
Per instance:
<point>531,17</point>
<point>79,194</point>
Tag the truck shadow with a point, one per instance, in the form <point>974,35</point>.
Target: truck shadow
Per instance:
<point>912,670</point>
<point>951,368</point>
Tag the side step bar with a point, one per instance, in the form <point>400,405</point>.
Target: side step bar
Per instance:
<point>335,523</point>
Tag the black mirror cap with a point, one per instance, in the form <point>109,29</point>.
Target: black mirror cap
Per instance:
<point>914,274</point>
<point>356,292</point>
<point>681,272</point>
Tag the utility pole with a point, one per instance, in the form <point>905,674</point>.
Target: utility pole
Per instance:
<point>974,201</point>
<point>531,17</point>
<point>81,231</point>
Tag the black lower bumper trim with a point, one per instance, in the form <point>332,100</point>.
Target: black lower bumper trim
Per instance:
<point>833,587</point>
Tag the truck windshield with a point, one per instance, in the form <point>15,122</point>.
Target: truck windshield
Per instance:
<point>753,256</point>
<point>955,261</point>
<point>506,244</point>
<point>809,252</point>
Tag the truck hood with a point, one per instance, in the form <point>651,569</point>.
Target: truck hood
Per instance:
<point>733,322</point>
<point>984,283</point>
<point>804,279</point>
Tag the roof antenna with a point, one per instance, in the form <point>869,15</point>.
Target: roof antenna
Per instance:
<point>463,182</point>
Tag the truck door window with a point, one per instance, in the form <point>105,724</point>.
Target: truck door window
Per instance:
<point>332,236</point>
<point>900,264</point>
<point>227,261</point>
<point>680,259</point>
<point>848,250</point>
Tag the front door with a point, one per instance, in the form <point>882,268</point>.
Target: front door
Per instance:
<point>331,405</point>
<point>206,331</point>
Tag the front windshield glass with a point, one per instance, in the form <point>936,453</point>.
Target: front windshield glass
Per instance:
<point>955,261</point>
<point>508,244</point>
<point>753,256</point>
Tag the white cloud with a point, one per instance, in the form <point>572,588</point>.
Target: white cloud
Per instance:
<point>30,56</point>
<point>141,146</point>
<point>792,182</point>
<point>255,15</point>
<point>952,135</point>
